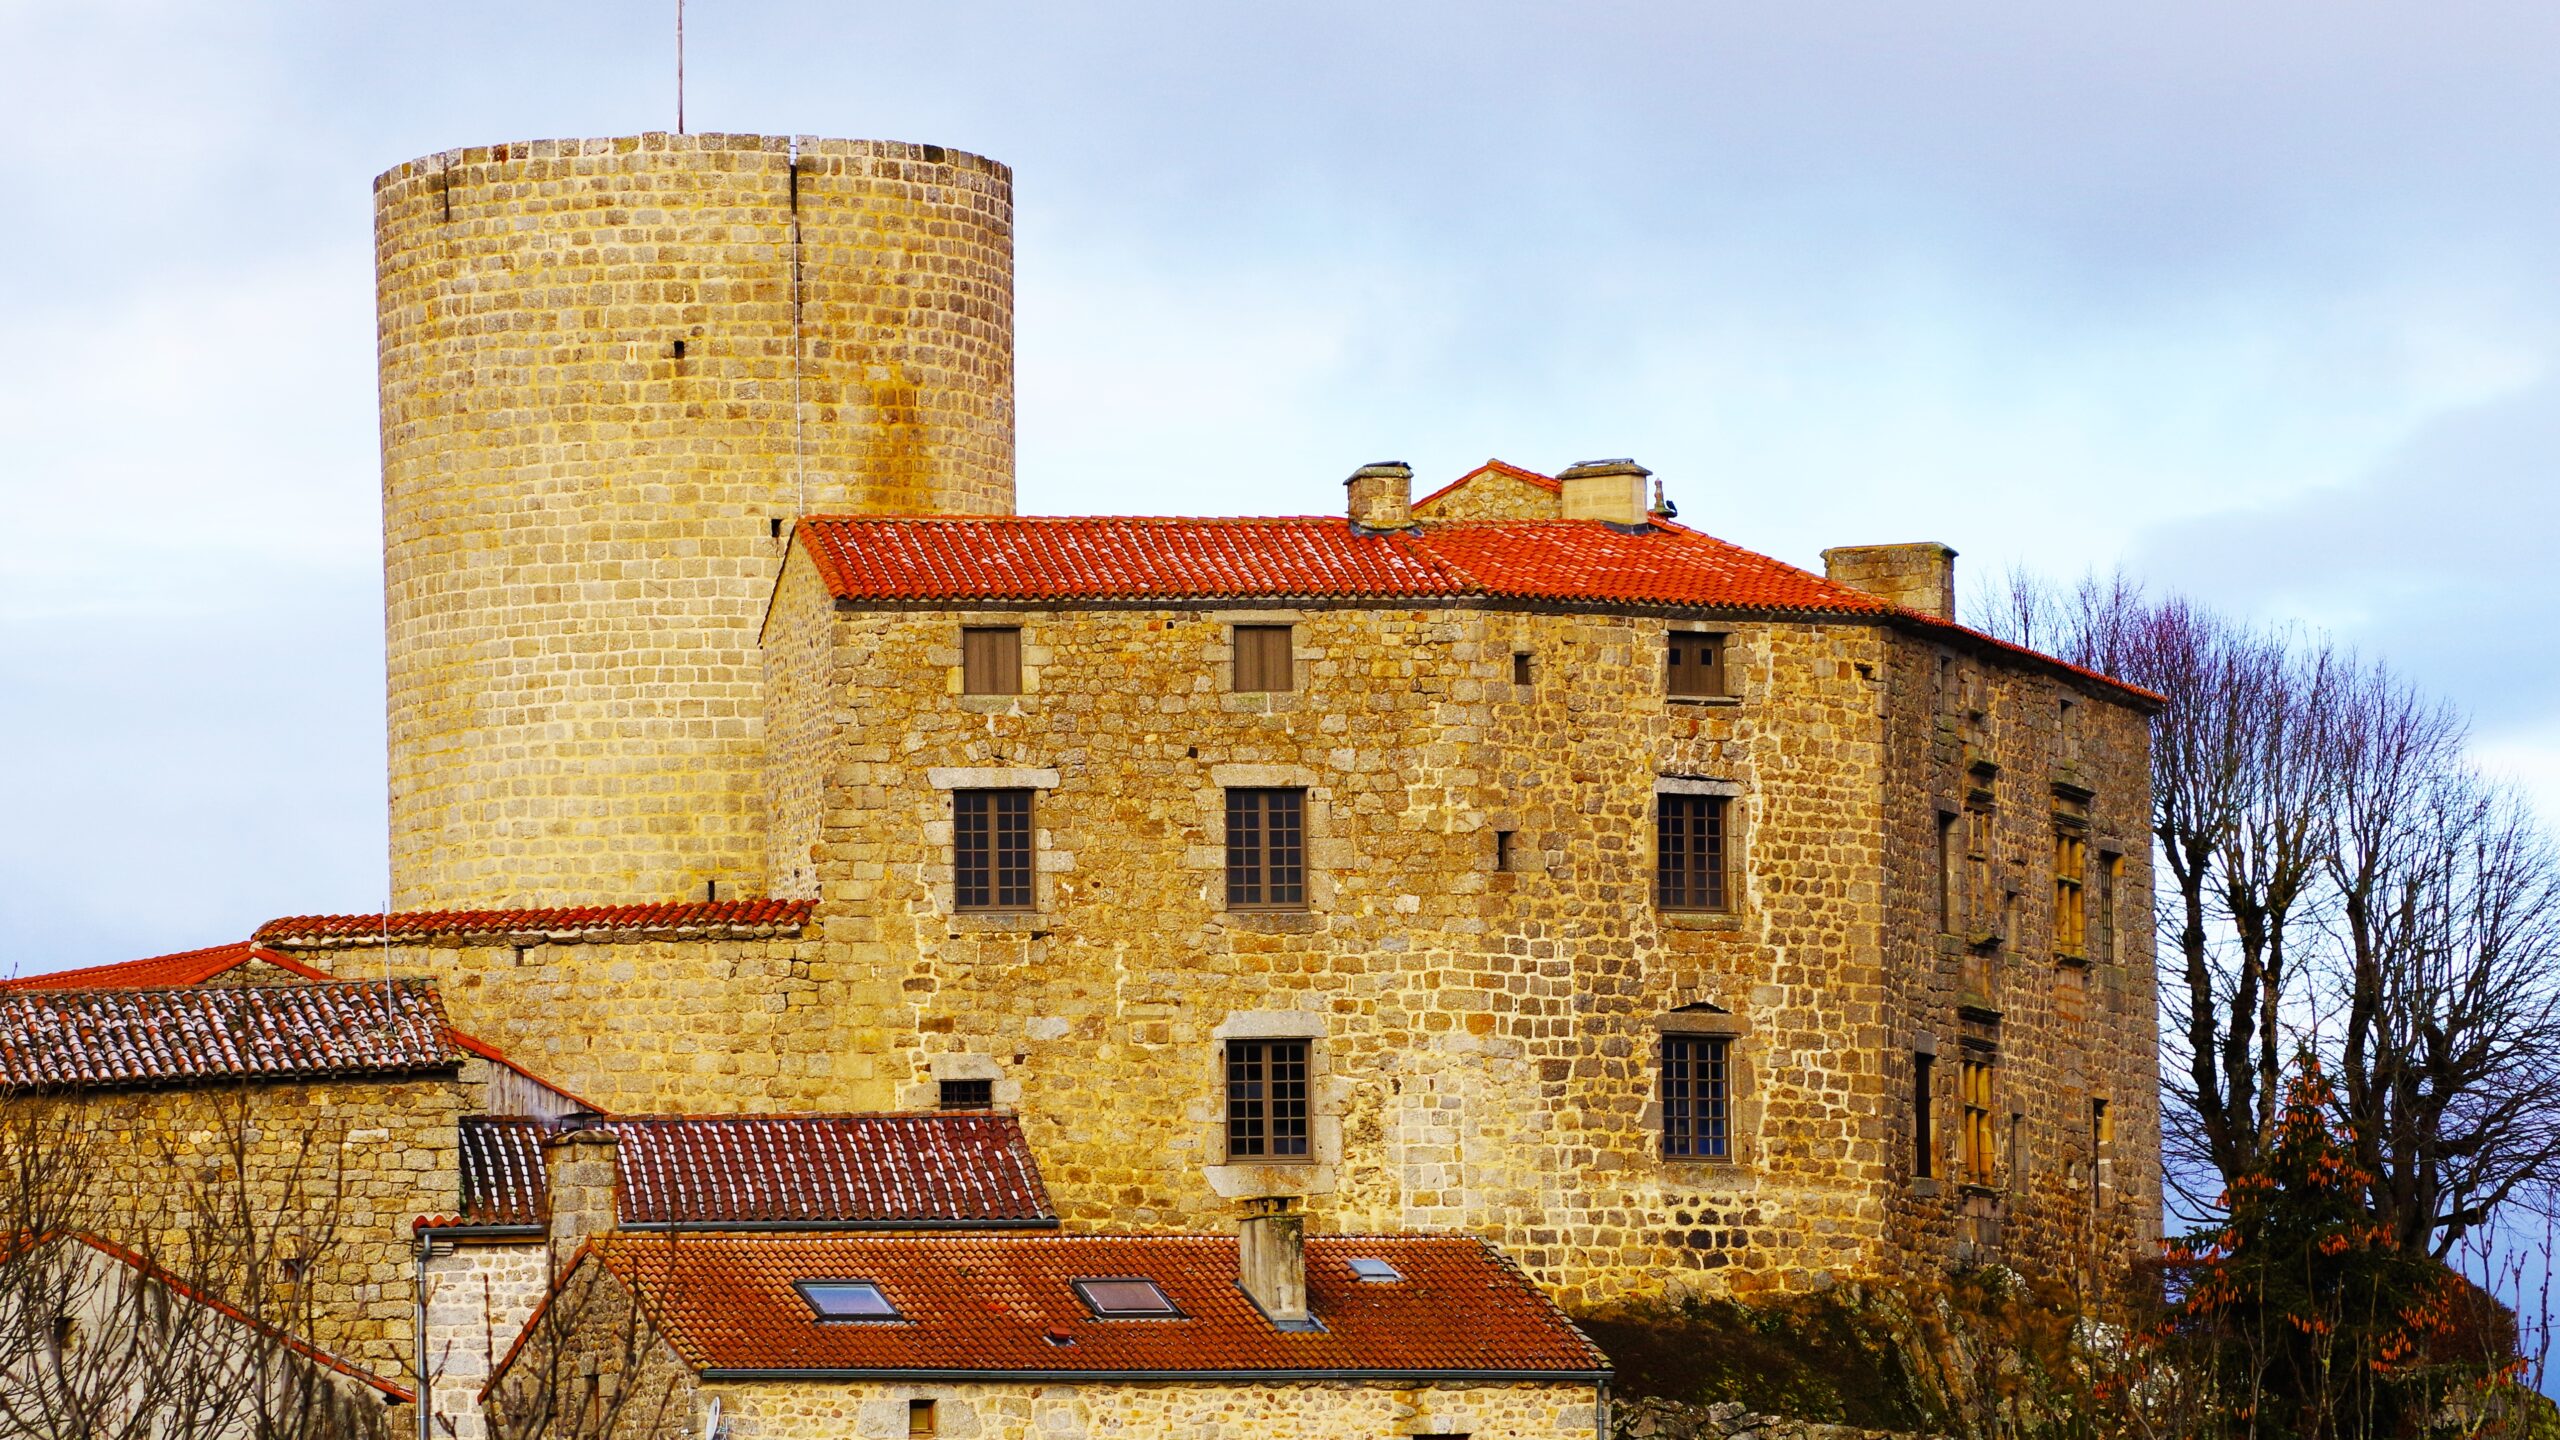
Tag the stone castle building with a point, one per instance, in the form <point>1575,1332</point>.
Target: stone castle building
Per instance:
<point>1517,862</point>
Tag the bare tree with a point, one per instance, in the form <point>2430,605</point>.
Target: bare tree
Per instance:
<point>593,1363</point>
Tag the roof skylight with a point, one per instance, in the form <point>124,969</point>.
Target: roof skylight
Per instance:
<point>1374,1270</point>
<point>847,1299</point>
<point>1124,1298</point>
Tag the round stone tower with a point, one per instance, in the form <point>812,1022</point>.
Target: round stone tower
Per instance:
<point>612,372</point>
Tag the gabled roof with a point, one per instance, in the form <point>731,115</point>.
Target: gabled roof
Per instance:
<point>889,1171</point>
<point>700,920</point>
<point>1493,468</point>
<point>60,1039</point>
<point>186,967</point>
<point>290,1342</point>
<point>1003,1306</point>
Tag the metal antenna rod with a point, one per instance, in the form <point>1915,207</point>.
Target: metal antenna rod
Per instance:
<point>679,67</point>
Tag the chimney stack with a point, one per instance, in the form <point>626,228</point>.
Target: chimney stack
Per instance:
<point>1610,491</point>
<point>1271,1261</point>
<point>1382,496</point>
<point>1918,576</point>
<point>579,1166</point>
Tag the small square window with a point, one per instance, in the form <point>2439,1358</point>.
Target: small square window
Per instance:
<point>847,1300</point>
<point>1696,665</point>
<point>1519,667</point>
<point>1374,1270</point>
<point>923,1418</point>
<point>1265,658</point>
<point>1123,1298</point>
<point>991,660</point>
<point>968,1094</point>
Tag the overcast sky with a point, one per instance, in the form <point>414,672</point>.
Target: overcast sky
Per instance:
<point>2257,300</point>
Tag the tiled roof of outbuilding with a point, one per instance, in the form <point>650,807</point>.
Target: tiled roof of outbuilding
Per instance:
<point>70,1039</point>
<point>880,1171</point>
<point>721,919</point>
<point>1003,1304</point>
<point>186,967</point>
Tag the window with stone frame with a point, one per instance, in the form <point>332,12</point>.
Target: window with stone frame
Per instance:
<point>1924,1128</point>
<point>2102,911</point>
<point>1690,833</point>
<point>1977,1142</point>
<point>991,850</point>
<point>1949,882</point>
<point>1985,904</point>
<point>2070,896</point>
<point>1266,657</point>
<point>1694,665</point>
<point>1697,1097</point>
<point>1267,1089</point>
<point>2102,1147</point>
<point>1266,849</point>
<point>991,660</point>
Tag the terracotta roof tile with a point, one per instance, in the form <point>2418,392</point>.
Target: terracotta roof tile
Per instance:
<point>52,1039</point>
<point>187,967</point>
<point>791,1170</point>
<point>723,919</point>
<point>989,1303</point>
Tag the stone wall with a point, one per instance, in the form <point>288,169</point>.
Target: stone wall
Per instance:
<point>334,1172</point>
<point>612,371</point>
<point>787,1410</point>
<point>478,1295</point>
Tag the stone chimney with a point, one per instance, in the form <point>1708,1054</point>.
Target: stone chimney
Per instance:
<point>579,1166</point>
<point>1919,576</point>
<point>1382,495</point>
<point>1271,1260</point>
<point>1606,490</point>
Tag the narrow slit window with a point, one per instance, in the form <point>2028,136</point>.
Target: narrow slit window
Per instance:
<point>991,849</point>
<point>1924,1162</point>
<point>991,660</point>
<point>2102,916</point>
<point>1946,873</point>
<point>1503,842</point>
<point>1689,852</point>
<point>1696,1097</point>
<point>2070,898</point>
<point>1519,667</point>
<point>1266,849</point>
<point>1267,1099</point>
<point>1266,658</point>
<point>1696,665</point>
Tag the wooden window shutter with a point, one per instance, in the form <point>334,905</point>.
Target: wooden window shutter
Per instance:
<point>991,660</point>
<point>1265,657</point>
<point>1696,664</point>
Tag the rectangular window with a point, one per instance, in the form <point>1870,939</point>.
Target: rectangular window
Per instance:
<point>1982,906</point>
<point>921,1419</point>
<point>1696,664</point>
<point>1696,1097</point>
<point>1265,658</point>
<point>1689,852</point>
<point>2070,900</point>
<point>968,1094</point>
<point>1266,849</point>
<point>1519,667</point>
<point>1946,873</point>
<point>991,660</point>
<point>2102,1144</point>
<point>1502,843</point>
<point>2102,918</point>
<point>1267,1099</point>
<point>991,849</point>
<point>1924,1150</point>
<point>1975,1140</point>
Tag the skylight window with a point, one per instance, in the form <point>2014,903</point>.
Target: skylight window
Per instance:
<point>1375,1271</point>
<point>1124,1298</point>
<point>847,1300</point>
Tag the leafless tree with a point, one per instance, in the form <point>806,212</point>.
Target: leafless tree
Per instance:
<point>593,1364</point>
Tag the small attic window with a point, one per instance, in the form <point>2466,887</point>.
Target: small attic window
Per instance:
<point>1124,1298</point>
<point>847,1300</point>
<point>1375,1271</point>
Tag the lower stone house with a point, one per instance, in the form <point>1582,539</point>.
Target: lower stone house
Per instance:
<point>95,1339</point>
<point>1010,1336</point>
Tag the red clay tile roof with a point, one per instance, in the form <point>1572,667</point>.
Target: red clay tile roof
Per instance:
<point>724,919</point>
<point>817,1171</point>
<point>56,1039</point>
<point>288,1340</point>
<point>988,1303</point>
<point>1548,483</point>
<point>187,967</point>
<point>1034,559</point>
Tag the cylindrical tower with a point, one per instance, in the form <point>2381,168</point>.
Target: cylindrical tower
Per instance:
<point>612,372</point>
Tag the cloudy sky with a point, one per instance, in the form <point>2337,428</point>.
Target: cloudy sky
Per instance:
<point>2255,299</point>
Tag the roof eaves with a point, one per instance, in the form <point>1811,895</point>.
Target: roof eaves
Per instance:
<point>728,1374</point>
